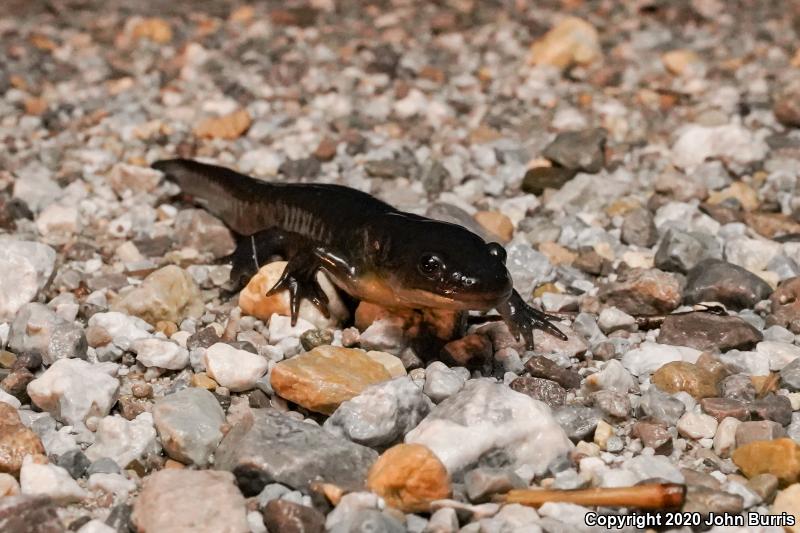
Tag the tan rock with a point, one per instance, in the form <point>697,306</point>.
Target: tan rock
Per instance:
<point>16,441</point>
<point>155,29</point>
<point>409,477</point>
<point>682,376</point>
<point>738,190</point>
<point>254,301</point>
<point>497,224</point>
<point>182,500</point>
<point>230,126</point>
<point>771,225</point>
<point>680,61</point>
<point>780,457</point>
<point>392,363</point>
<point>571,41</point>
<point>169,293</point>
<point>8,485</point>
<point>202,381</point>
<point>326,376</point>
<point>796,59</point>
<point>557,254</point>
<point>788,501</point>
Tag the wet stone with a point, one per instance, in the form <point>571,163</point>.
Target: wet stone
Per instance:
<point>538,179</point>
<point>721,408</point>
<point>714,280</point>
<point>315,337</point>
<point>541,367</point>
<point>708,332</point>
<point>540,389</point>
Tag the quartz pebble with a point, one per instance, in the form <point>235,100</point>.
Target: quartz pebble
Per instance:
<point>235,369</point>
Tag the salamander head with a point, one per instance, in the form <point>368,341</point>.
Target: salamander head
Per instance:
<point>427,263</point>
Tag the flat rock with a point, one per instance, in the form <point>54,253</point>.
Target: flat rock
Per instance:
<point>274,448</point>
<point>72,390</point>
<point>409,477</point>
<point>203,501</point>
<point>643,292</point>
<point>168,294</point>
<point>382,414</point>
<point>541,367</point>
<point>708,332</point>
<point>189,424</point>
<point>715,280</point>
<point>486,416</point>
<point>320,380</point>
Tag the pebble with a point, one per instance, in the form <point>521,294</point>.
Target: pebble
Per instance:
<point>708,332</point>
<point>42,479</point>
<point>190,500</point>
<point>612,403</point>
<point>120,329</point>
<point>124,441</point>
<point>539,179</point>
<point>8,486</point>
<point>484,482</point>
<point>444,520</point>
<point>661,406</point>
<point>542,367</point>
<point>75,462</point>
<point>680,251</point>
<point>697,426</point>
<point>238,370</point>
<point>752,431</point>
<point>470,351</point>
<point>714,280</point>
<point>198,229</point>
<point>16,441</point>
<point>613,377</point>
<point>409,477</point>
<point>653,435</point>
<point>639,229</point>
<point>278,448</point>
<point>38,330</point>
<point>612,319</point>
<point>17,513</point>
<point>571,41</point>
<point>254,301</point>
<point>578,421</point>
<point>160,353</point>
<point>73,390</point>
<point>441,382</point>
<point>788,501</point>
<point>168,294</point>
<point>320,380</point>
<point>734,142</point>
<point>765,486</point>
<point>578,150</point>
<point>790,375</point>
<point>721,408</point>
<point>382,414</point>
<point>780,457</point>
<point>544,390</point>
<point>738,387</point>
<point>779,354</point>
<point>27,268</point>
<point>189,424</point>
<point>283,515</point>
<point>701,499</point>
<point>486,416</point>
<point>643,292</point>
<point>772,407</point>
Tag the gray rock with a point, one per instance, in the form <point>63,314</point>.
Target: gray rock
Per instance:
<point>639,229</point>
<point>704,500</point>
<point>75,462</point>
<point>772,407</point>
<point>39,330</point>
<point>661,406</point>
<point>790,375</point>
<point>577,421</point>
<point>27,268</point>
<point>680,251</point>
<point>198,229</point>
<point>578,150</point>
<point>189,423</point>
<point>382,414</point>
<point>738,387</point>
<point>29,514</point>
<point>483,482</point>
<point>441,382</point>
<point>793,430</point>
<point>613,403</point>
<point>748,432</point>
<point>714,280</point>
<point>276,448</point>
<point>369,521</point>
<point>104,465</point>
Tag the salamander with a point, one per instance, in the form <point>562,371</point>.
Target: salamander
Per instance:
<point>369,249</point>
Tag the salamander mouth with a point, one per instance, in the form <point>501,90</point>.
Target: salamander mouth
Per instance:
<point>475,301</point>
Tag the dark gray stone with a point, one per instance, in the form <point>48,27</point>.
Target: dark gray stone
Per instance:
<point>578,150</point>
<point>772,407</point>
<point>790,375</point>
<point>75,462</point>
<point>719,281</point>
<point>275,448</point>
<point>482,483</point>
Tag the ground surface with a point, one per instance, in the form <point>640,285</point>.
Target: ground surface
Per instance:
<point>636,159</point>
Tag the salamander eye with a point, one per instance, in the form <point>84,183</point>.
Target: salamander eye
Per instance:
<point>497,251</point>
<point>429,264</point>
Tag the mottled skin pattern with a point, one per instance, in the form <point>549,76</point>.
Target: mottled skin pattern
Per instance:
<point>368,248</point>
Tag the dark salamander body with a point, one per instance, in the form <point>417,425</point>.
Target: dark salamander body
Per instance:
<point>369,249</point>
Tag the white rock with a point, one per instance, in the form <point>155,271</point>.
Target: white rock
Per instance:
<point>58,221</point>
<point>749,497</point>
<point>8,485</point>
<point>752,363</point>
<point>280,328</point>
<point>123,440</point>
<point>385,334</point>
<point>49,480</point>
<point>25,269</point>
<point>752,254</point>
<point>613,377</point>
<point>731,141</point>
<point>697,426</point>
<point>485,416</point>
<point>124,329</point>
<point>779,354</point>
<point>613,319</point>
<point>512,517</point>
<point>115,484</point>
<point>349,506</point>
<point>238,370</point>
<point>160,353</point>
<point>441,382</point>
<point>725,436</point>
<point>651,356</point>
<point>72,390</point>
<point>651,466</point>
<point>96,526</point>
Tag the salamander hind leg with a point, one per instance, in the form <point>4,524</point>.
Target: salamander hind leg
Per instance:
<point>300,279</point>
<point>522,319</point>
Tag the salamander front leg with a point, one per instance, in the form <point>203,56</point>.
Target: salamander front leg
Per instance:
<point>253,251</point>
<point>300,279</point>
<point>522,319</point>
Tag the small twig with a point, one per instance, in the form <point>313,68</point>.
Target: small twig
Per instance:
<point>653,496</point>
